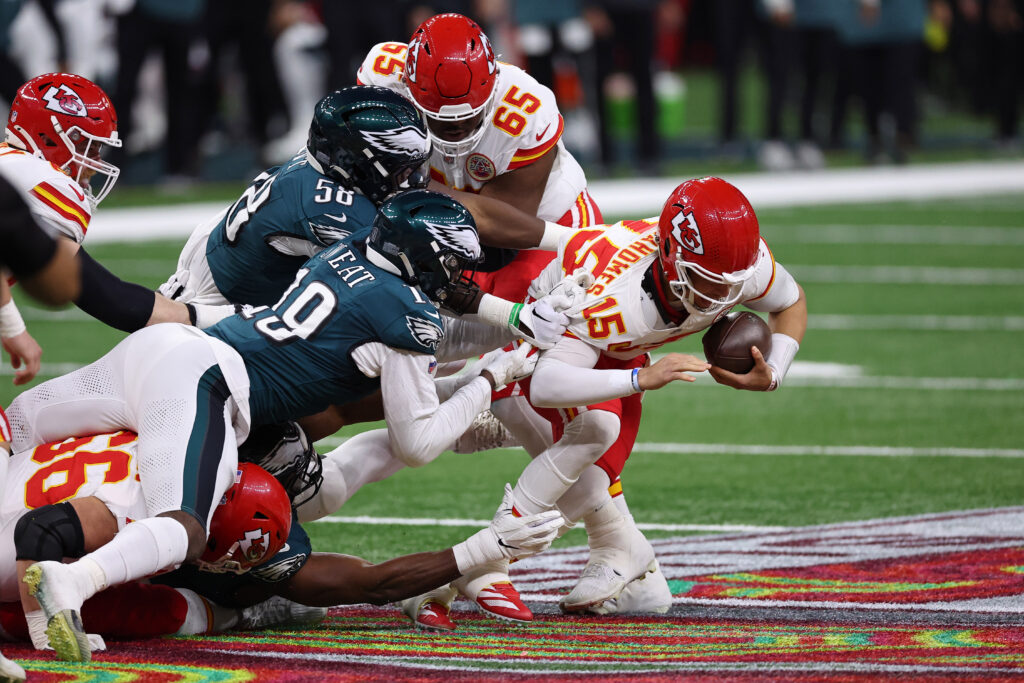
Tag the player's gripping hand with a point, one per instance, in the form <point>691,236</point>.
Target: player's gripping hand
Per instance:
<point>671,367</point>
<point>177,289</point>
<point>504,367</point>
<point>508,537</point>
<point>542,323</point>
<point>758,379</point>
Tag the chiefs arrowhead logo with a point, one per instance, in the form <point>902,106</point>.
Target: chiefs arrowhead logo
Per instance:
<point>64,100</point>
<point>254,544</point>
<point>686,232</point>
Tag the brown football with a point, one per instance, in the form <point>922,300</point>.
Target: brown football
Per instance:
<point>727,343</point>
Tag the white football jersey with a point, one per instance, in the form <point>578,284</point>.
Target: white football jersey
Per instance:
<point>52,195</point>
<point>619,316</point>
<point>524,125</point>
<point>103,466</point>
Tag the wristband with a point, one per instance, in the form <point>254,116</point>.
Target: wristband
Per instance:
<point>635,378</point>
<point>783,351</point>
<point>513,317</point>
<point>552,236</point>
<point>191,314</point>
<point>496,311</point>
<point>11,324</point>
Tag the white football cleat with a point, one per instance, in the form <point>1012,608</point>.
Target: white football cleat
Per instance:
<point>431,611</point>
<point>56,589</point>
<point>10,672</point>
<point>619,553</point>
<point>649,594</point>
<point>278,612</point>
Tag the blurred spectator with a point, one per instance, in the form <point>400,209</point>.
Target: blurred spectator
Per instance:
<point>798,40</point>
<point>624,33</point>
<point>172,26</point>
<point>11,75</point>
<point>733,25</point>
<point>1005,24</point>
<point>250,35</point>
<point>883,42</point>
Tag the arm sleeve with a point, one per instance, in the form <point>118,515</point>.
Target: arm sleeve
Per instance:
<point>565,377</point>
<point>465,338</point>
<point>123,305</point>
<point>419,426</point>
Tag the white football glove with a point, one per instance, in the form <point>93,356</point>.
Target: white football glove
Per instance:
<point>509,366</point>
<point>176,288</point>
<point>508,537</point>
<point>543,322</point>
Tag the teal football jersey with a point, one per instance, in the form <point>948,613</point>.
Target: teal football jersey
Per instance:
<point>298,353</point>
<point>289,209</point>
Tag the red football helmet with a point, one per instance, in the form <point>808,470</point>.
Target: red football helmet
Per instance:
<point>450,74</point>
<point>67,120</point>
<point>250,525</point>
<point>709,244</point>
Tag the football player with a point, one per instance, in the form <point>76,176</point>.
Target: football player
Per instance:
<point>55,505</point>
<point>59,127</point>
<point>656,281</point>
<point>496,131</point>
<point>365,144</point>
<point>360,315</point>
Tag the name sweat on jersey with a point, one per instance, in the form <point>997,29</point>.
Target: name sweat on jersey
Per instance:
<point>286,215</point>
<point>298,352</point>
<point>523,125</point>
<point>620,316</point>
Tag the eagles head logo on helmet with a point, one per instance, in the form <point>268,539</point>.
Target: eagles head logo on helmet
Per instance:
<point>709,244</point>
<point>370,139</point>
<point>427,239</point>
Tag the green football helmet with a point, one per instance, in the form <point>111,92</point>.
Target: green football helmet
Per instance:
<point>371,139</point>
<point>427,239</point>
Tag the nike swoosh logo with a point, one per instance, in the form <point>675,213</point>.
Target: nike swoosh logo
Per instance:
<point>540,135</point>
<point>78,193</point>
<point>341,219</point>
<point>506,545</point>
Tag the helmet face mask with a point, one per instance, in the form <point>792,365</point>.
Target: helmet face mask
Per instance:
<point>287,454</point>
<point>250,525</point>
<point>69,121</point>
<point>450,74</point>
<point>370,139</point>
<point>427,239</point>
<point>709,245</point>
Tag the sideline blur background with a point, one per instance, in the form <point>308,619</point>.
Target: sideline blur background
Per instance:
<point>217,90</point>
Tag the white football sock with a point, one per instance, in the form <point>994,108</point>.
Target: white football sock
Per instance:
<point>140,549</point>
<point>205,616</point>
<point>588,493</point>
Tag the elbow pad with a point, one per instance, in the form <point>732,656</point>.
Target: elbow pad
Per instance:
<point>123,305</point>
<point>51,532</point>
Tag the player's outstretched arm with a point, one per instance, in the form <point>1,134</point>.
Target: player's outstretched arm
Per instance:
<point>328,579</point>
